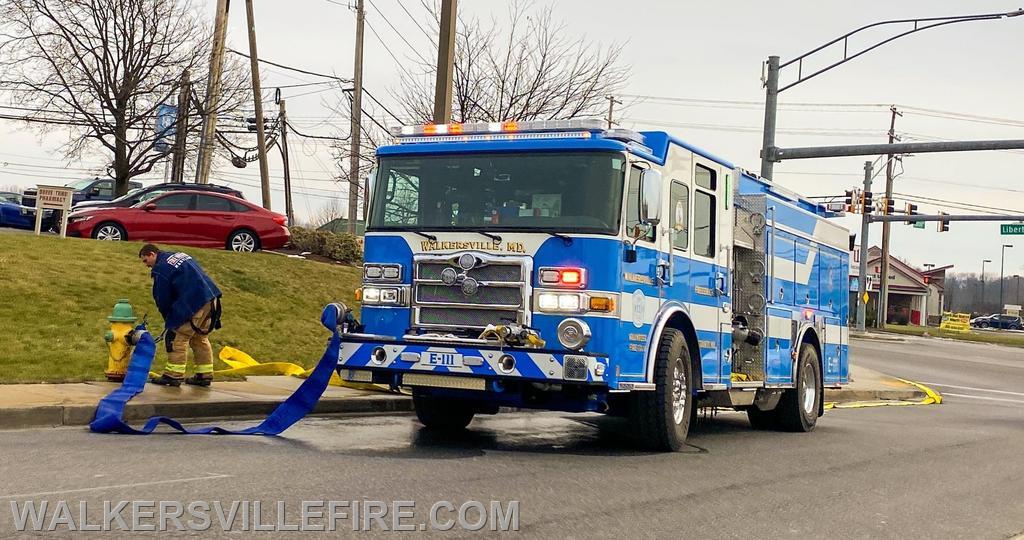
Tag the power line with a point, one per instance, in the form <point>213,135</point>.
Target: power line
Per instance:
<point>290,68</point>
<point>319,137</point>
<point>399,33</point>
<point>388,49</point>
<point>417,23</point>
<point>958,203</point>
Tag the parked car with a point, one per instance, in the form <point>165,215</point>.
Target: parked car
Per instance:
<point>189,218</point>
<point>14,214</point>
<point>96,189</point>
<point>144,194</point>
<point>1006,322</point>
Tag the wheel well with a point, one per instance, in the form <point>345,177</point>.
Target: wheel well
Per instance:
<point>255,235</point>
<point>680,321</point>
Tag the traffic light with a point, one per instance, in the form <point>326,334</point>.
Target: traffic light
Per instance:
<point>866,201</point>
<point>850,204</point>
<point>911,211</point>
<point>943,224</point>
<point>888,207</point>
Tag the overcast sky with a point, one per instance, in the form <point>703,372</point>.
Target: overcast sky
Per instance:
<point>695,51</point>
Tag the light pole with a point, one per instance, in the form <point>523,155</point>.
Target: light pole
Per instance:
<point>983,280</point>
<point>1017,296</point>
<point>928,292</point>
<point>1002,266</point>
<point>774,66</point>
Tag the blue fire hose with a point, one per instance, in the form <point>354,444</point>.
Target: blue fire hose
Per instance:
<point>110,411</point>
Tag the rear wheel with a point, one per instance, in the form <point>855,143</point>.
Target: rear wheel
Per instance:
<point>244,241</point>
<point>798,407</point>
<point>662,417</point>
<point>440,413</point>
<point>109,231</point>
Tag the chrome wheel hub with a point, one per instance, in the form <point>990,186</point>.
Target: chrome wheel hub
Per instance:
<point>243,242</point>
<point>810,394</point>
<point>678,391</point>
<point>108,232</point>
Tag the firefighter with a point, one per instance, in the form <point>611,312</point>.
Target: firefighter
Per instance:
<point>189,302</point>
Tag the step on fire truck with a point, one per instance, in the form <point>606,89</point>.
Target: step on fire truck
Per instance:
<point>560,265</point>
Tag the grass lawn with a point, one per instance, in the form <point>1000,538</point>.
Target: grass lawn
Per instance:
<point>987,336</point>
<point>55,295</point>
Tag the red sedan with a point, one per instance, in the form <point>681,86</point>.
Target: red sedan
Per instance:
<point>188,218</point>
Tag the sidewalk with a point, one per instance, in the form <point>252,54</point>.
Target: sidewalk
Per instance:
<point>42,405</point>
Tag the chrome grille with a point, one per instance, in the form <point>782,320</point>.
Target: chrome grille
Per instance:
<point>575,368</point>
<point>468,318</point>
<point>503,272</point>
<point>446,295</point>
<point>452,294</point>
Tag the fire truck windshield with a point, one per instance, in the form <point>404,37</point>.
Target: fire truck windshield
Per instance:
<point>569,192</point>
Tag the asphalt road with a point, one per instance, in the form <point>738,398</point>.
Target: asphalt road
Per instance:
<point>949,471</point>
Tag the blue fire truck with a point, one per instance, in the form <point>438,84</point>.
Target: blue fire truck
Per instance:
<point>560,265</point>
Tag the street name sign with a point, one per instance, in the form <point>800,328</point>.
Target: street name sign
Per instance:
<point>1011,228</point>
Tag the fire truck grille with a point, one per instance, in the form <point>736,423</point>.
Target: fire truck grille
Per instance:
<point>447,296</point>
<point>491,296</point>
<point>464,318</point>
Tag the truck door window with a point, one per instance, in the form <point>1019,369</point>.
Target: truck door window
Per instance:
<point>680,215</point>
<point>704,177</point>
<point>703,224</point>
<point>633,206</point>
<point>106,189</point>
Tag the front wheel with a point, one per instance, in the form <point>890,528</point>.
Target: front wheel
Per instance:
<point>983,325</point>
<point>662,417</point>
<point>243,241</point>
<point>440,413</point>
<point>109,231</point>
<point>798,407</point>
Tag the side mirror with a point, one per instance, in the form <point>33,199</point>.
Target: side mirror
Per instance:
<point>149,207</point>
<point>371,179</point>
<point>650,197</point>
<point>94,191</point>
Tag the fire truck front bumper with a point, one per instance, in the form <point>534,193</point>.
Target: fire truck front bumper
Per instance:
<point>456,366</point>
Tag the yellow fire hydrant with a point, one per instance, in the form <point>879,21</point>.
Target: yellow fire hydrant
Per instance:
<point>122,322</point>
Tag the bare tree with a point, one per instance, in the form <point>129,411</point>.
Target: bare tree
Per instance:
<point>102,68</point>
<point>527,67</point>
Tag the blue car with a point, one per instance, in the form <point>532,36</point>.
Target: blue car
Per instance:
<point>13,214</point>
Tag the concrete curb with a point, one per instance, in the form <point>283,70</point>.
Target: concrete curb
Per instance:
<point>82,415</point>
<point>878,337</point>
<point>847,395</point>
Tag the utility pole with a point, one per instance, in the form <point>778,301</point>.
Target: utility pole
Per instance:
<point>983,280</point>
<point>862,286</point>
<point>883,288</point>
<point>771,108</point>
<point>261,135</point>
<point>445,62</point>
<point>611,109</point>
<point>356,122</point>
<point>181,128</point>
<point>283,120</point>
<point>206,143</point>
<point>1002,268</point>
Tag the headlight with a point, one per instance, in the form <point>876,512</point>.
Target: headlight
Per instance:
<point>382,272</point>
<point>384,296</point>
<point>566,302</point>
<point>79,219</point>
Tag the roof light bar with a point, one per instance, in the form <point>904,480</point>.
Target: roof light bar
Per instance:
<point>472,128</point>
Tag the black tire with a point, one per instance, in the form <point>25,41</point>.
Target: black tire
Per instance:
<point>798,408</point>
<point>442,414</point>
<point>662,417</point>
<point>243,241</point>
<point>108,230</point>
<point>983,325</point>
